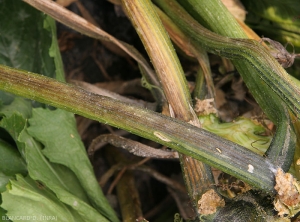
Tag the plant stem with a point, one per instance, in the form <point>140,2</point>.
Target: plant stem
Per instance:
<point>162,54</point>
<point>169,71</point>
<point>190,48</point>
<point>271,86</point>
<point>183,137</point>
<point>249,51</point>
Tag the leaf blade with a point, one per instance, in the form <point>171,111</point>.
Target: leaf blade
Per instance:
<point>67,149</point>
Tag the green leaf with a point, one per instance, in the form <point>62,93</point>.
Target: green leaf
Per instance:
<point>14,120</point>
<point>49,24</point>
<point>6,98</point>
<point>24,43</point>
<point>56,177</point>
<point>11,161</point>
<point>53,175</point>
<point>57,131</point>
<point>14,125</point>
<point>2,214</point>
<point>18,105</point>
<point>28,200</point>
<point>4,179</point>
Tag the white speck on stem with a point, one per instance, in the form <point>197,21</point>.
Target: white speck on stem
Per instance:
<point>250,168</point>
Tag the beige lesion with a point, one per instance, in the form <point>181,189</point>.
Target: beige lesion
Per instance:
<point>287,201</point>
<point>209,202</point>
<point>205,107</point>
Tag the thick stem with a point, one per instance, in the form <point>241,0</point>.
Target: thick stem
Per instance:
<point>163,56</point>
<point>183,137</point>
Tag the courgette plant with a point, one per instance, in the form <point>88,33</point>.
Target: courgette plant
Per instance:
<point>44,171</point>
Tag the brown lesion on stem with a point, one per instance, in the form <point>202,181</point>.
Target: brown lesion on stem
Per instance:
<point>279,52</point>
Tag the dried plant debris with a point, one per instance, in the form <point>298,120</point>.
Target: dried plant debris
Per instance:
<point>209,202</point>
<point>279,52</point>
<point>205,107</point>
<point>287,202</point>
